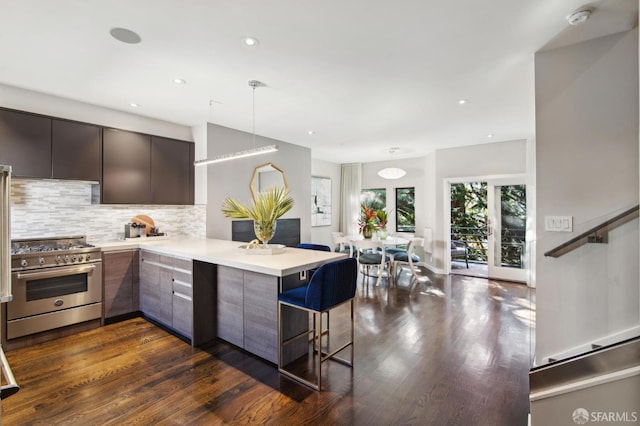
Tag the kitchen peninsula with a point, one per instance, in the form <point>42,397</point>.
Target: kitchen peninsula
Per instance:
<point>207,288</point>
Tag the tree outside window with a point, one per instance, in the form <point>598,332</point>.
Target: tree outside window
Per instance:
<point>375,198</point>
<point>405,210</point>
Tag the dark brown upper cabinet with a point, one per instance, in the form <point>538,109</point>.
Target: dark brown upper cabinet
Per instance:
<point>172,171</point>
<point>76,151</point>
<point>25,143</point>
<point>126,167</point>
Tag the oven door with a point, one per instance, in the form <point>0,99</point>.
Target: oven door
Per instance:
<point>54,289</point>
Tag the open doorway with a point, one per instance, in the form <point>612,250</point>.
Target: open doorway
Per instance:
<point>488,229</point>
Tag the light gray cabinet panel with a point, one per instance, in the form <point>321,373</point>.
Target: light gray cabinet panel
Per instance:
<point>149,284</point>
<point>182,314</point>
<point>261,315</point>
<point>166,294</point>
<point>230,324</point>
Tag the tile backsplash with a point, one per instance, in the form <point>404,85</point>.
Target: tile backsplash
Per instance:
<point>53,208</point>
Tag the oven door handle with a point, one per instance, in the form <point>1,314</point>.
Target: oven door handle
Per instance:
<point>56,272</point>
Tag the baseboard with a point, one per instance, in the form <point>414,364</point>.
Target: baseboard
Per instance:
<point>587,346</point>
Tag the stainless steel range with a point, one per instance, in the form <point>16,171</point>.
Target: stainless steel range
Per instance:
<point>56,282</point>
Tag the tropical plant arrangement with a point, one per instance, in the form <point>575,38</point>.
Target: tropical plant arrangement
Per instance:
<point>265,209</point>
<point>368,221</point>
<point>382,218</point>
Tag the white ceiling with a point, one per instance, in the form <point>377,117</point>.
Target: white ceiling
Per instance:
<point>364,75</point>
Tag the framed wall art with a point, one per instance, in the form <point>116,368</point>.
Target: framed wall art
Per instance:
<point>320,201</point>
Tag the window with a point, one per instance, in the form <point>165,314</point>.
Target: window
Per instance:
<point>405,210</point>
<point>375,198</point>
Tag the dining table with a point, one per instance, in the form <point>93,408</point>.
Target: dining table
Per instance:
<point>389,242</point>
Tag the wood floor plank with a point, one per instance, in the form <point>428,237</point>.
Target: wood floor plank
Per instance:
<point>454,352</point>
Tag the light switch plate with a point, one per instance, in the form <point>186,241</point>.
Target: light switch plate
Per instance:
<point>558,223</point>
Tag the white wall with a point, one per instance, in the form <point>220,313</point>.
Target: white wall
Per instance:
<point>415,177</point>
<point>587,167</point>
<point>322,234</point>
<point>494,159</point>
<point>232,178</point>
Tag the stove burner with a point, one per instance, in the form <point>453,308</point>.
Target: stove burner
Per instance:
<point>44,248</point>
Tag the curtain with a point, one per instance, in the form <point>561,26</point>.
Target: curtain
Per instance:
<point>351,185</point>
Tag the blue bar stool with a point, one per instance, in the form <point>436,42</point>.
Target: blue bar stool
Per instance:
<point>332,285</point>
<point>310,246</point>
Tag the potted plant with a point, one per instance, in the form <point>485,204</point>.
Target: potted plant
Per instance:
<point>382,218</point>
<point>265,209</point>
<point>368,221</point>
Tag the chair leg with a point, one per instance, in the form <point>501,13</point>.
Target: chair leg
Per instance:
<point>352,334</point>
<point>466,259</point>
<point>319,356</point>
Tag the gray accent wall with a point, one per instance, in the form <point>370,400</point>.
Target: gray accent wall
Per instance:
<point>232,178</point>
<point>587,168</point>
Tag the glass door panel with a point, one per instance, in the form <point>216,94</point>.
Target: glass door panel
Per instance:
<point>507,222</point>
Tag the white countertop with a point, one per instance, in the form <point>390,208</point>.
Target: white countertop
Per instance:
<point>227,253</point>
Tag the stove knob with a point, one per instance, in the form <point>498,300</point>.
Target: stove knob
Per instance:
<point>80,258</point>
<point>66,259</point>
<point>74,258</point>
<point>58,259</point>
<point>41,261</point>
<point>88,257</point>
<point>24,263</point>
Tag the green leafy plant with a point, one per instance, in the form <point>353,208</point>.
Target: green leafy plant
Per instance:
<point>264,210</point>
<point>382,219</point>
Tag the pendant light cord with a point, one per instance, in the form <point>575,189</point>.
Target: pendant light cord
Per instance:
<point>254,116</point>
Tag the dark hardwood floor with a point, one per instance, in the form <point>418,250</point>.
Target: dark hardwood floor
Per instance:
<point>455,351</point>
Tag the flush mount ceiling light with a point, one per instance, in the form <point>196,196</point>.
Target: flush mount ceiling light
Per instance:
<point>179,81</point>
<point>246,153</point>
<point>134,105</point>
<point>579,16</point>
<point>392,172</point>
<point>126,36</point>
<point>462,101</point>
<point>251,41</point>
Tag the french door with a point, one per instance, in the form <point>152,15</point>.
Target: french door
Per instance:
<point>507,248</point>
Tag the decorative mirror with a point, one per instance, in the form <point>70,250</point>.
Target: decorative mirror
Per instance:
<point>267,176</point>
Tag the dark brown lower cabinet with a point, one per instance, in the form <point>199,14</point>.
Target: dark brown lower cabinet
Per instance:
<point>121,283</point>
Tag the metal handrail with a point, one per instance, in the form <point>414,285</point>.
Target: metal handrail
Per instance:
<point>566,246</point>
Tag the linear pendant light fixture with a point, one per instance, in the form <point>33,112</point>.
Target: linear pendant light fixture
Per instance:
<point>249,152</point>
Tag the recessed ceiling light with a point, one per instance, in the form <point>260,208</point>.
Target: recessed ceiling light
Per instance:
<point>179,81</point>
<point>462,101</point>
<point>251,41</point>
<point>124,35</point>
<point>310,132</point>
<point>134,105</point>
<point>490,135</point>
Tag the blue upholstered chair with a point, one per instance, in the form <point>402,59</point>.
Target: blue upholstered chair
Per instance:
<point>310,246</point>
<point>370,253</point>
<point>332,285</point>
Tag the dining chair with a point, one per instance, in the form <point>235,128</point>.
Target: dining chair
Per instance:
<point>408,258</point>
<point>370,253</point>
<point>341,243</point>
<point>333,285</point>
